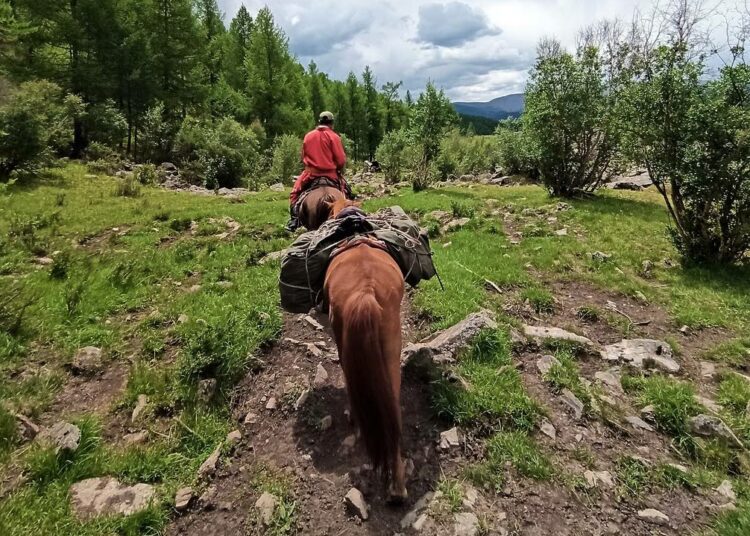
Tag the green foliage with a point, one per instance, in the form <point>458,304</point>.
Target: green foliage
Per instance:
<point>393,154</point>
<point>495,398</point>
<point>286,160</point>
<point>8,432</point>
<point>541,300</point>
<point>464,155</point>
<point>128,187</point>
<point>33,128</point>
<point>146,174</point>
<point>157,135</point>
<point>432,115</point>
<point>519,449</point>
<point>105,124</point>
<point>693,137</point>
<point>735,352</point>
<point>516,149</point>
<point>225,152</point>
<point>569,115</point>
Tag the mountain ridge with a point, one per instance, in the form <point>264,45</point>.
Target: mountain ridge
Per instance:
<point>499,108</point>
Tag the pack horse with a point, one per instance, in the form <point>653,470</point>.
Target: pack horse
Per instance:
<point>356,265</point>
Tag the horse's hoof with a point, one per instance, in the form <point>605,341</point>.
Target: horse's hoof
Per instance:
<point>397,498</point>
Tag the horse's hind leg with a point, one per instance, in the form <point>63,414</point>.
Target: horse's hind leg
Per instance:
<point>397,489</point>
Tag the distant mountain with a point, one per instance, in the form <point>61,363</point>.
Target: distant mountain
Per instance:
<point>497,109</point>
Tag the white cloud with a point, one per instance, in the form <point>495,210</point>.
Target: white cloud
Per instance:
<point>474,49</point>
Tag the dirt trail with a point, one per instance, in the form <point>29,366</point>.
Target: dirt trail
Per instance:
<point>321,469</point>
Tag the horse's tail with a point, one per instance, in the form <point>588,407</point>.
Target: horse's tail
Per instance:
<point>373,399</point>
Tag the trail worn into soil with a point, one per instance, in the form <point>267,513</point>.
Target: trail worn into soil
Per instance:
<point>322,469</point>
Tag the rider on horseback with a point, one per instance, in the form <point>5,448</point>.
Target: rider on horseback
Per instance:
<point>324,157</point>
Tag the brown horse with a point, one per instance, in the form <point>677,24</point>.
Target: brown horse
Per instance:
<point>364,288</point>
<point>315,208</point>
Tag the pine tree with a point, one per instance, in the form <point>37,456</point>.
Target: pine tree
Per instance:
<point>355,129</point>
<point>273,78</point>
<point>213,31</point>
<point>393,112</point>
<point>372,113</point>
<point>237,42</point>
<point>317,97</point>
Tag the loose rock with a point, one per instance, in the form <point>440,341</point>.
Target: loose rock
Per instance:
<point>726,490</point>
<point>140,406</point>
<point>455,225</point>
<point>450,439</point>
<point>545,364</point>
<point>355,502</point>
<point>709,426</point>
<point>412,516</point>
<point>448,343</point>
<point>313,350</point>
<point>138,438</point>
<point>548,429</point>
<point>278,187</point>
<point>206,389</point>
<point>26,429</point>
<point>655,517</point>
<point>610,380</point>
<point>638,423</point>
<point>183,498</point>
<point>106,496</point>
<point>312,322</point>
<point>572,401</point>
<point>321,376</point>
<point>208,467</point>
<point>62,436</point>
<point>87,361</point>
<point>465,524</point>
<point>540,333</point>
<point>251,418</point>
<point>326,422</point>
<point>708,370</point>
<point>265,505</point>
<point>271,404</point>
<point>599,478</point>
<point>233,438</point>
<point>642,353</point>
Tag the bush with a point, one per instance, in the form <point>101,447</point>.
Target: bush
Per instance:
<point>146,174</point>
<point>157,133</point>
<point>569,114</point>
<point>465,155</point>
<point>225,152</point>
<point>34,125</point>
<point>286,162</point>
<point>105,125</point>
<point>516,150</point>
<point>393,155</point>
<point>128,187</point>
<point>693,136</point>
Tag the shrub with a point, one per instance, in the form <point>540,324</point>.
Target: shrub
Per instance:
<point>157,133</point>
<point>516,151</point>
<point>147,174</point>
<point>693,137</point>
<point>127,187</point>
<point>569,114</point>
<point>286,162</point>
<point>225,152</point>
<point>34,124</point>
<point>105,124</point>
<point>392,154</point>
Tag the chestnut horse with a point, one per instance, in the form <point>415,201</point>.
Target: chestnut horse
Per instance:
<point>364,287</point>
<point>315,208</point>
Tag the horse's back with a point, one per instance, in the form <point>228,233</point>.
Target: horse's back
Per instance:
<point>315,210</point>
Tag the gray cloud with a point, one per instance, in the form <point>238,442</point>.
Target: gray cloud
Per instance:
<point>452,24</point>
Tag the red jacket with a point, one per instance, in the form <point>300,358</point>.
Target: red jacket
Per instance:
<point>323,155</point>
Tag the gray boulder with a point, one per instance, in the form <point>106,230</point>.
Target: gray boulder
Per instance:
<point>105,496</point>
<point>447,344</point>
<point>642,353</point>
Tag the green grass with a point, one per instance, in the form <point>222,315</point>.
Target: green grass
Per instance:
<point>565,375</point>
<point>122,267</point>
<point>493,397</point>
<point>734,397</point>
<point>635,478</point>
<point>450,501</point>
<point>284,520</point>
<point>540,300</point>
<point>522,452</point>
<point>673,400</point>
<point>735,352</point>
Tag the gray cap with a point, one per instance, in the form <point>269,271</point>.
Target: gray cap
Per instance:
<point>327,116</point>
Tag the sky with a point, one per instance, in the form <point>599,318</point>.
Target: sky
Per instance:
<point>475,50</point>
